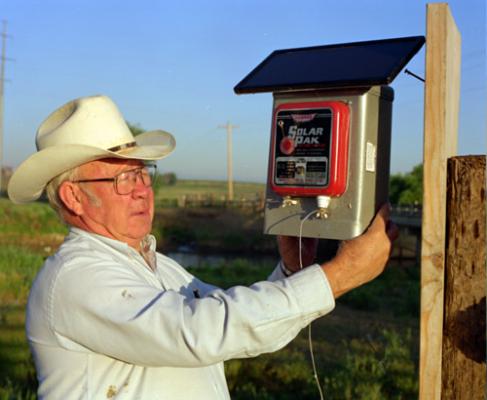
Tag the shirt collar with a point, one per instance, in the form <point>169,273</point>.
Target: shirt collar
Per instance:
<point>117,245</point>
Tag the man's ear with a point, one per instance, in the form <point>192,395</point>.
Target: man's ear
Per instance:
<point>70,194</point>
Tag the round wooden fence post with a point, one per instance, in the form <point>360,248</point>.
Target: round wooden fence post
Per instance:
<point>463,354</point>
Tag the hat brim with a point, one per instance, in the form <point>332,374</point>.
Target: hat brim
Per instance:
<point>31,177</point>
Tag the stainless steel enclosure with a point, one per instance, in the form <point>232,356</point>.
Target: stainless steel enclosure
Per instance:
<point>368,170</point>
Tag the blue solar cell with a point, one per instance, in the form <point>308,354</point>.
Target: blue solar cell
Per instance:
<point>375,62</point>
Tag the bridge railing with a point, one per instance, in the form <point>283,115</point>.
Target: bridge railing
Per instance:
<point>413,211</point>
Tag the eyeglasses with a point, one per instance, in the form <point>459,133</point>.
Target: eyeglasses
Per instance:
<point>125,181</point>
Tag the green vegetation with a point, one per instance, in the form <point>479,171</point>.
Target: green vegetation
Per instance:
<point>29,219</point>
<point>136,129</point>
<point>406,189</point>
<point>239,272</point>
<point>28,234</point>
<point>166,179</point>
<point>363,350</point>
<point>398,285</point>
<point>212,230</point>
<point>375,370</point>
<point>217,189</point>
<point>385,371</point>
<point>18,266</point>
<point>366,349</point>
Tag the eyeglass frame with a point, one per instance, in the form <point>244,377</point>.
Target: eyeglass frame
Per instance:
<point>152,168</point>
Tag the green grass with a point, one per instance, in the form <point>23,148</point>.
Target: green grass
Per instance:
<point>239,272</point>
<point>32,219</point>
<point>399,285</point>
<point>17,374</point>
<point>386,371</point>
<point>18,266</point>
<point>367,348</point>
<point>212,230</point>
<point>28,234</point>
<point>205,188</point>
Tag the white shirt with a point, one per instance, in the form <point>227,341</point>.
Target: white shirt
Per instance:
<point>103,325</point>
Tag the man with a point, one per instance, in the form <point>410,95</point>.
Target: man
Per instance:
<point>108,317</point>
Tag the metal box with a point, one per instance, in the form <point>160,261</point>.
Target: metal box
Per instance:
<point>349,214</point>
<point>330,134</point>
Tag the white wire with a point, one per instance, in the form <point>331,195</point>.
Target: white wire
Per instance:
<point>310,339</point>
<point>301,235</point>
<point>315,372</point>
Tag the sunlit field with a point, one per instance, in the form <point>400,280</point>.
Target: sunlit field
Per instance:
<point>367,348</point>
<point>203,188</point>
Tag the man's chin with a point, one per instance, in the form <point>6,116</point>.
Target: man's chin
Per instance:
<point>142,230</point>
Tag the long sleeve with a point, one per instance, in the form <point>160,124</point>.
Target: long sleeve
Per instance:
<point>100,321</point>
<point>108,309</point>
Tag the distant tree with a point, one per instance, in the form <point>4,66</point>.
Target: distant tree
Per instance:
<point>167,179</point>
<point>397,185</point>
<point>407,188</point>
<point>136,129</point>
<point>6,175</point>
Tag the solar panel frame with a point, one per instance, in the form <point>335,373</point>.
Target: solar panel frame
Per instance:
<point>368,63</point>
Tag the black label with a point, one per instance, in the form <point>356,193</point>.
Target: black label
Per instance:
<point>302,147</point>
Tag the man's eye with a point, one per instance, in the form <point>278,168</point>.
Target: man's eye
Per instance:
<point>124,176</point>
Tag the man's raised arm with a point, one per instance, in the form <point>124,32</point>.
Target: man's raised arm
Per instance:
<point>357,261</point>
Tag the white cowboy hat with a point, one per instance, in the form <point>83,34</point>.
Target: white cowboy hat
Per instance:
<point>80,131</point>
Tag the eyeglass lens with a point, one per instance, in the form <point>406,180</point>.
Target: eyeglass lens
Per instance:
<point>126,181</point>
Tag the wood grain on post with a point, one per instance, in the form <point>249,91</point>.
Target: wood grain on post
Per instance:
<point>442,86</point>
<point>463,366</point>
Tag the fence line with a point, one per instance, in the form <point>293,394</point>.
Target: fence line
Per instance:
<point>253,202</point>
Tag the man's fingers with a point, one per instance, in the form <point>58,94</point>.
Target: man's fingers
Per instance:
<point>392,230</point>
<point>381,218</point>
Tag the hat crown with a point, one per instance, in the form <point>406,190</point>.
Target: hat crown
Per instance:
<point>91,121</point>
<point>83,130</point>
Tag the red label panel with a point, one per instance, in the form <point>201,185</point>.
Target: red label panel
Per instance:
<point>309,149</point>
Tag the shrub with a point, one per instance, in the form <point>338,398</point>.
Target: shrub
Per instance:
<point>18,267</point>
<point>238,272</point>
<point>383,369</point>
<point>10,391</point>
<point>400,286</point>
<point>283,375</point>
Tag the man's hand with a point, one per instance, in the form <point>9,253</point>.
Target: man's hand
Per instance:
<point>289,251</point>
<point>360,260</point>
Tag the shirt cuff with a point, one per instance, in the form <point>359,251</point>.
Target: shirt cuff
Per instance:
<point>284,270</point>
<point>313,291</point>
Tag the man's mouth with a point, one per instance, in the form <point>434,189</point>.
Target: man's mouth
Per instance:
<point>141,213</point>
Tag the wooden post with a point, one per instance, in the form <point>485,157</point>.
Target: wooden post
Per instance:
<point>463,365</point>
<point>229,127</point>
<point>441,101</point>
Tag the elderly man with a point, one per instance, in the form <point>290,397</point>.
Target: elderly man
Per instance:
<point>108,317</point>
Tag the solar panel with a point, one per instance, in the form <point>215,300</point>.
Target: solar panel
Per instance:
<point>375,62</point>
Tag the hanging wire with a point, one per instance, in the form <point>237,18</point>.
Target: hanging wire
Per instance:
<point>310,338</point>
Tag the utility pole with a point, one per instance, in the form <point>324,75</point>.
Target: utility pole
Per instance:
<point>229,127</point>
<point>2,81</point>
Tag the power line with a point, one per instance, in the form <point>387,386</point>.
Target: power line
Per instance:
<point>3,59</point>
<point>2,81</point>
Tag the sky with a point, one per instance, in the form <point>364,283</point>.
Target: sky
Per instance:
<point>172,65</point>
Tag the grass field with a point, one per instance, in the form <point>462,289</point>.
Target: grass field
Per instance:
<point>204,188</point>
<point>366,349</point>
